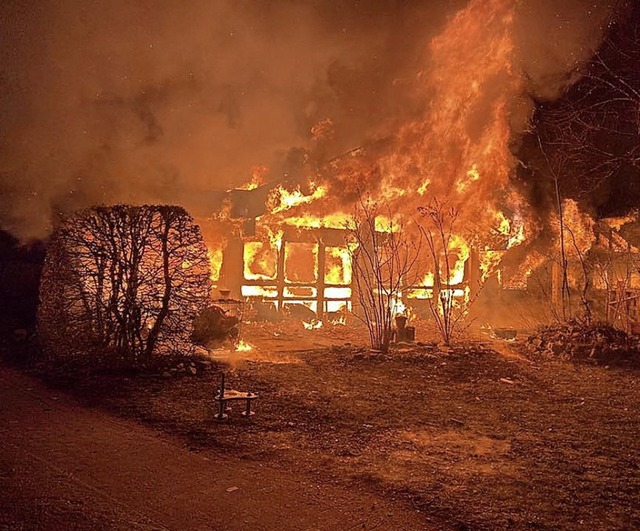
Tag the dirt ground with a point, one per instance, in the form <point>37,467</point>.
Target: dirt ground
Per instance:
<point>66,467</point>
<point>481,436</point>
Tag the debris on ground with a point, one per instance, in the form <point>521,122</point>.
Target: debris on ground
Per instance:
<point>598,343</point>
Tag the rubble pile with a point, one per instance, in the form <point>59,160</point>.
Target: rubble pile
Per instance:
<point>213,326</point>
<point>598,343</point>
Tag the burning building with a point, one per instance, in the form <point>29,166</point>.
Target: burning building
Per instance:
<point>286,241</point>
<point>438,99</point>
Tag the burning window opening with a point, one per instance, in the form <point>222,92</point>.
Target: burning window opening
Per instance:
<point>299,273</point>
<point>308,273</point>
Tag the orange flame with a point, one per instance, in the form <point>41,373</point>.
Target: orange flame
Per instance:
<point>459,149</point>
<point>243,346</point>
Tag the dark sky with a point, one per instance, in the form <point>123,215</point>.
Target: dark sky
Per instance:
<point>141,101</point>
<point>591,134</point>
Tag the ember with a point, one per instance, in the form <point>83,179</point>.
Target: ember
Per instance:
<point>243,346</point>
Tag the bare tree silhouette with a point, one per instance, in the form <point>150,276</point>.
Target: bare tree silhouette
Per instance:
<point>123,283</point>
<point>382,258</point>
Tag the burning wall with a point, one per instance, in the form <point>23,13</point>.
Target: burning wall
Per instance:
<point>289,267</point>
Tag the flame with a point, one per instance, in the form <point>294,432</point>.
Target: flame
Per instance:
<point>398,307</point>
<point>519,280</point>
<point>471,176</point>
<point>462,142</point>
<point>617,223</point>
<point>504,225</point>
<point>388,224</point>
<point>459,297</point>
<point>259,291</point>
<point>459,248</point>
<point>260,260</point>
<point>261,256</point>
<point>215,262</point>
<point>458,149</point>
<point>331,220</point>
<point>422,189</point>
<point>337,293</point>
<point>489,263</point>
<point>337,266</point>
<point>428,280</point>
<point>284,199</point>
<point>276,237</point>
<point>425,291</point>
<point>513,230</point>
<point>243,346</point>
<point>517,236</point>
<point>258,177</point>
<point>578,226</point>
<point>301,262</point>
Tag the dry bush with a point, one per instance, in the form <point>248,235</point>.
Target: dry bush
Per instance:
<point>449,312</point>
<point>381,260</point>
<point>123,283</point>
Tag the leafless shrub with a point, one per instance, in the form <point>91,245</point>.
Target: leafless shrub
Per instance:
<point>382,258</point>
<point>123,283</point>
<point>448,311</point>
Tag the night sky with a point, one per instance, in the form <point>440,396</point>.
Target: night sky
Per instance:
<point>592,132</point>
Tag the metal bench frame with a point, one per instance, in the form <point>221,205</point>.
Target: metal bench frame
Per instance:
<point>229,395</point>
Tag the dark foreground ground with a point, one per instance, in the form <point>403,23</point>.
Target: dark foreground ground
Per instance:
<point>480,437</point>
<point>68,467</point>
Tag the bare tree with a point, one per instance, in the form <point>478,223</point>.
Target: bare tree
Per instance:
<point>557,163</point>
<point>382,258</point>
<point>586,268</point>
<point>596,124</point>
<point>590,137</point>
<point>123,282</point>
<point>448,311</point>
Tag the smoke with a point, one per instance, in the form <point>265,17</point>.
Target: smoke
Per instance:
<point>147,102</point>
<point>556,39</point>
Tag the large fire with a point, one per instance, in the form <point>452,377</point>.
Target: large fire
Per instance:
<point>457,151</point>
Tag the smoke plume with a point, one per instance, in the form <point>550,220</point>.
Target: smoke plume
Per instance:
<point>174,102</point>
